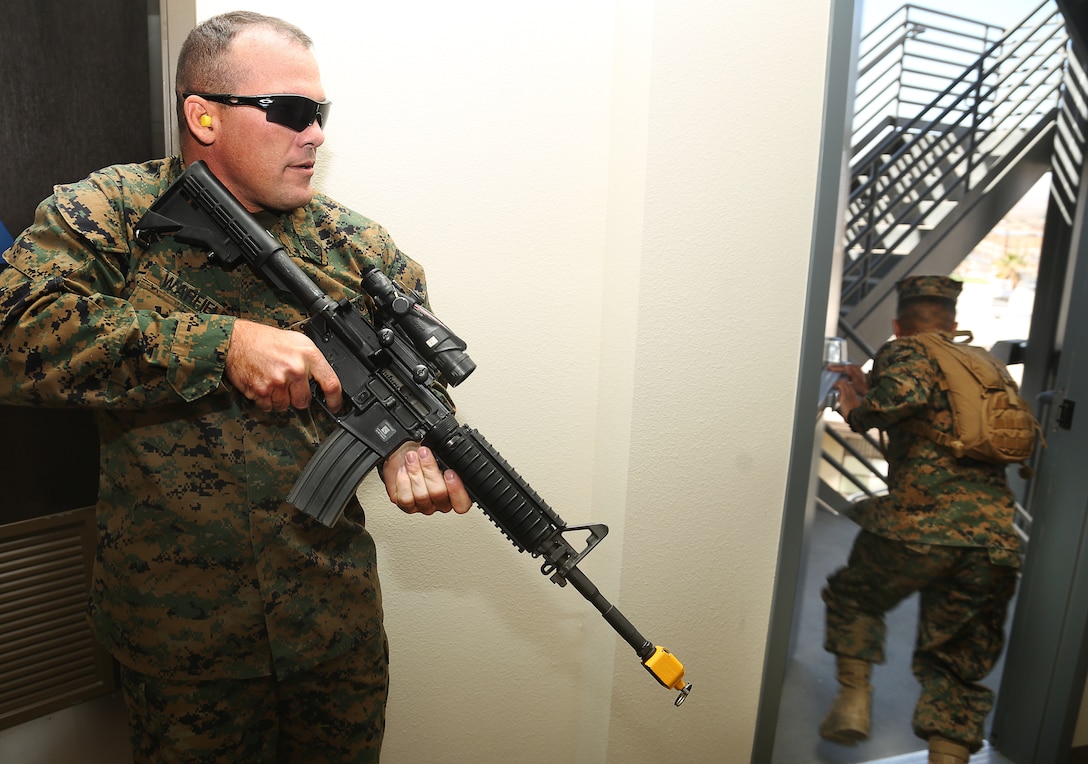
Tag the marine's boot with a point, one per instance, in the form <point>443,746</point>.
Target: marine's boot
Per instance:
<point>848,720</point>
<point>944,751</point>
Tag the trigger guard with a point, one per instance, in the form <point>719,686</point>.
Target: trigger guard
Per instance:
<point>318,395</point>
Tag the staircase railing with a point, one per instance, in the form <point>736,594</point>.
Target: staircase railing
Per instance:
<point>1070,139</point>
<point>913,160</point>
<point>905,62</point>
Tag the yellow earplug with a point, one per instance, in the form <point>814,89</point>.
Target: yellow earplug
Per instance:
<point>205,120</point>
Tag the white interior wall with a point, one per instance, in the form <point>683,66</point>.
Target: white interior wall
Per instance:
<point>614,202</point>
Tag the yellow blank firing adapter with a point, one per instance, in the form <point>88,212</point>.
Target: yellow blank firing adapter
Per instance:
<point>669,671</point>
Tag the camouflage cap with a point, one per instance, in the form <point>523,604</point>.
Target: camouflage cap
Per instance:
<point>931,287</point>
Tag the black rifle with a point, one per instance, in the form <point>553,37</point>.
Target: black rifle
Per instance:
<point>387,371</point>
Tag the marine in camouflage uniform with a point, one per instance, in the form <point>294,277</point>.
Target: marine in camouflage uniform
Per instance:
<point>944,529</point>
<point>232,614</point>
<point>202,569</point>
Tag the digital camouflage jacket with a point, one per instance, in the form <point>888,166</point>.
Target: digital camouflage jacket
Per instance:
<point>202,570</point>
<point>933,497</point>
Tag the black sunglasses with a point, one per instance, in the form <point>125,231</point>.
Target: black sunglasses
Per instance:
<point>293,111</point>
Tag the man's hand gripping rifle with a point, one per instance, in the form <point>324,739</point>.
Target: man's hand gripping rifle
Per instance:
<point>387,371</point>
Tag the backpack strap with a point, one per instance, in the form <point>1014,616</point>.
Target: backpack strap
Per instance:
<point>922,428</point>
<point>926,430</point>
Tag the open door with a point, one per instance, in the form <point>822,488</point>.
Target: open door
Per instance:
<point>1045,666</point>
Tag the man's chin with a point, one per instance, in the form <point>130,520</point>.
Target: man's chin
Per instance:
<point>292,202</point>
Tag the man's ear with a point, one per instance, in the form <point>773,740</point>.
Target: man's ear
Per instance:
<point>200,120</point>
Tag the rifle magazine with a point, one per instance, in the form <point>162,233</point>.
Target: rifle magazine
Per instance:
<point>332,476</point>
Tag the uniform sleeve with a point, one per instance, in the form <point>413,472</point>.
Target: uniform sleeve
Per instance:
<point>900,387</point>
<point>68,336</point>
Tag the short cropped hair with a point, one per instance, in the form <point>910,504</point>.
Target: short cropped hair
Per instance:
<point>926,313</point>
<point>203,66</point>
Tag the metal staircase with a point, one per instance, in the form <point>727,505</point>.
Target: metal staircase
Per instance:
<point>955,120</point>
<point>954,123</point>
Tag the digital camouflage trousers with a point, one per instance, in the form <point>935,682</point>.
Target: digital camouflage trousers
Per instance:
<point>963,600</point>
<point>334,712</point>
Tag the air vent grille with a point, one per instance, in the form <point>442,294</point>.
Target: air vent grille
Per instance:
<point>49,659</point>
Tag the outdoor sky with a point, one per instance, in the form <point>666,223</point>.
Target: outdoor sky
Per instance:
<point>1001,12</point>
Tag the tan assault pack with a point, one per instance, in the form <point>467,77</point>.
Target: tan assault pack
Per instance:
<point>992,422</point>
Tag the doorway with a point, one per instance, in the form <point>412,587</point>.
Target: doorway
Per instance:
<point>1050,680</point>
